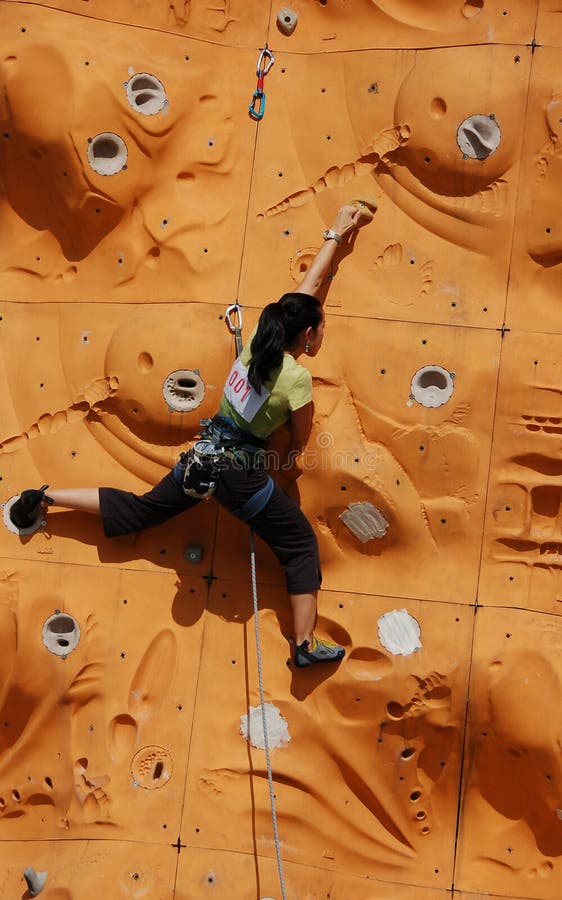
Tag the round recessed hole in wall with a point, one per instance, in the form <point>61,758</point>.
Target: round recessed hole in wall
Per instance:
<point>107,153</point>
<point>432,386</point>
<point>61,633</point>
<point>183,390</point>
<point>151,767</point>
<point>478,136</point>
<point>146,94</point>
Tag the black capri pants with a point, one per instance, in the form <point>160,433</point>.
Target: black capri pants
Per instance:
<point>281,524</point>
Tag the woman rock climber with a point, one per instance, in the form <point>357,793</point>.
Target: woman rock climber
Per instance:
<point>265,389</point>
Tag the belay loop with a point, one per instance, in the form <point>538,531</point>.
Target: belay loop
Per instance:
<point>264,64</point>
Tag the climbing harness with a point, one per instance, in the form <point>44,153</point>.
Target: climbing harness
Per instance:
<point>235,328</point>
<point>265,62</point>
<point>221,443</point>
<point>264,721</point>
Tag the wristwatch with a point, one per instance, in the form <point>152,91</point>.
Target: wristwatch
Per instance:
<point>331,235</point>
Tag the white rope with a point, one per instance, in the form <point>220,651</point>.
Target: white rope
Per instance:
<point>264,722</point>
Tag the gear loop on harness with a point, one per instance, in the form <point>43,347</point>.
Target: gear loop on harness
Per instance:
<point>264,64</point>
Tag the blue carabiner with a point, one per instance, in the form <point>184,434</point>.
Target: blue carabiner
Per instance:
<point>257,106</point>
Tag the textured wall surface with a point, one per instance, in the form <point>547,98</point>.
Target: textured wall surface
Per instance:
<point>123,769</point>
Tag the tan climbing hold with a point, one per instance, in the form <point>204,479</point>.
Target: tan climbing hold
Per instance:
<point>287,20</point>
<point>367,205</point>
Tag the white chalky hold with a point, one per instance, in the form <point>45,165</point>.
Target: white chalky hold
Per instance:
<point>399,632</point>
<point>478,136</point>
<point>365,521</point>
<point>107,153</point>
<point>432,386</point>
<point>251,727</point>
<point>183,390</point>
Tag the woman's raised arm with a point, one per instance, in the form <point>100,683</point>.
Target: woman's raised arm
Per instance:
<point>346,220</point>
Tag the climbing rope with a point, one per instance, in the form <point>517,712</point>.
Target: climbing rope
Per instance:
<point>264,722</point>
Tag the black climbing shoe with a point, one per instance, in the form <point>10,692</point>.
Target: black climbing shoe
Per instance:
<point>27,509</point>
<point>308,654</point>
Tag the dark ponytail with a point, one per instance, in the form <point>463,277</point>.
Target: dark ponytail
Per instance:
<point>278,329</point>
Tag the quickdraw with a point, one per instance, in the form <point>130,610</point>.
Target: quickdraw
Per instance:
<point>235,328</point>
<point>265,62</point>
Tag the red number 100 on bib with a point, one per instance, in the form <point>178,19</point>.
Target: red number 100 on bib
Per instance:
<point>240,393</point>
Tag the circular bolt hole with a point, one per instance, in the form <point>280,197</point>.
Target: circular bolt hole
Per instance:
<point>407,752</point>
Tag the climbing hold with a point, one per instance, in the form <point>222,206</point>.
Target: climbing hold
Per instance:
<point>61,634</point>
<point>367,205</point>
<point>146,94</point>
<point>35,880</point>
<point>107,153</point>
<point>151,767</point>
<point>478,136</point>
<point>399,632</point>
<point>251,727</point>
<point>432,386</point>
<point>183,390</point>
<point>287,20</point>
<point>40,521</point>
<point>194,553</point>
<point>365,521</point>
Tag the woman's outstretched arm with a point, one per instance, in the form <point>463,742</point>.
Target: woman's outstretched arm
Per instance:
<point>346,220</point>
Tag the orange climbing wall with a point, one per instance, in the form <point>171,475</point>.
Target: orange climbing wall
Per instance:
<point>123,769</point>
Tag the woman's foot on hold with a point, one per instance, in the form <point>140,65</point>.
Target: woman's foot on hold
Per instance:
<point>26,510</point>
<point>311,652</point>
